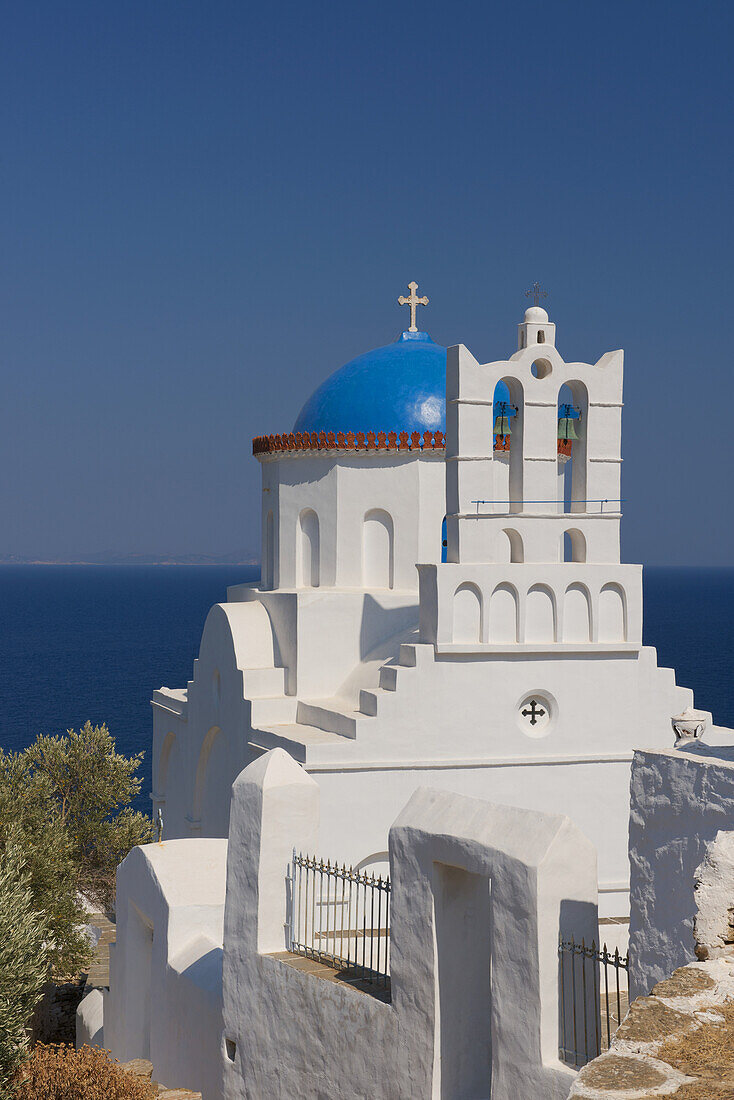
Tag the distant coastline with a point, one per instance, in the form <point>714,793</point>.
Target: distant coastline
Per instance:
<point>237,558</point>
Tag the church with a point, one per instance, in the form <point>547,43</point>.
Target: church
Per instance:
<point>441,604</point>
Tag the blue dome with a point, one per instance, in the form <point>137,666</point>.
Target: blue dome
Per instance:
<point>399,387</point>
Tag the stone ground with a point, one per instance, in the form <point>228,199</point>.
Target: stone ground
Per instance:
<point>678,1042</point>
<point>98,976</point>
<point>143,1070</point>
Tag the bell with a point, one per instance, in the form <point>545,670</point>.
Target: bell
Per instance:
<point>566,428</point>
<point>502,425</point>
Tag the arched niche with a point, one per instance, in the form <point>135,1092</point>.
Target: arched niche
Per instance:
<point>308,550</point>
<point>268,563</point>
<point>572,470</point>
<point>507,489</point>
<point>378,549</point>
<point>212,785</point>
<point>467,625</point>
<point>503,607</point>
<point>573,545</point>
<point>576,614</point>
<point>509,546</point>
<point>612,614</point>
<point>540,614</point>
<point>164,762</point>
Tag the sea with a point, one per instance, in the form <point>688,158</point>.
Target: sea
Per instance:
<point>93,642</point>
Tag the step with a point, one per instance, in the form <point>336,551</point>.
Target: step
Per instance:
<point>296,738</point>
<point>326,716</point>
<point>371,700</point>
<point>260,683</point>
<point>273,711</point>
<point>412,654</point>
<point>389,677</point>
<point>368,702</point>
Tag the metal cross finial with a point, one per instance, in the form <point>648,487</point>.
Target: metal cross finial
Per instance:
<point>536,292</point>
<point>413,301</point>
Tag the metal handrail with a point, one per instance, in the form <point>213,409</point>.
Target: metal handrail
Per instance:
<point>602,501</point>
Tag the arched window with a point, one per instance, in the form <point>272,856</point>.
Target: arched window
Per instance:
<point>309,550</point>
<point>467,614</point>
<point>444,541</point>
<point>378,549</point>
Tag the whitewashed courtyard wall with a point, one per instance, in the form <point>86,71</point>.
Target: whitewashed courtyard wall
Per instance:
<point>165,998</point>
<point>474,884</point>
<point>682,801</point>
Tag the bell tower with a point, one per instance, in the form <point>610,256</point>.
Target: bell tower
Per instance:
<point>533,504</point>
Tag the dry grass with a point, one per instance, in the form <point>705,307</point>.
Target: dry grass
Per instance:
<point>63,1073</point>
<point>707,1051</point>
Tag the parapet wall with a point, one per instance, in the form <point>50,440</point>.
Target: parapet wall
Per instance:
<point>681,810</point>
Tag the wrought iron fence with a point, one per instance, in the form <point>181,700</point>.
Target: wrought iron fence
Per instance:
<point>592,1000</point>
<point>341,917</point>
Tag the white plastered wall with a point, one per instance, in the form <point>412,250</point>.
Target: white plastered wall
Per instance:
<point>453,722</point>
<point>342,489</point>
<point>200,734</point>
<point>540,874</point>
<point>165,999</point>
<point>680,802</point>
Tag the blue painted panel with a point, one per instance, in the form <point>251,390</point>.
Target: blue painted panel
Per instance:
<point>399,387</point>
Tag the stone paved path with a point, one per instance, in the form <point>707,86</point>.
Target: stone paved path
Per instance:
<point>98,976</point>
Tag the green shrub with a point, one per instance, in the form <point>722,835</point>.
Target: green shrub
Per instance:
<point>29,824</point>
<point>24,960</point>
<point>92,787</point>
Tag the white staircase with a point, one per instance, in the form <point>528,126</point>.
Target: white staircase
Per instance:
<point>320,729</point>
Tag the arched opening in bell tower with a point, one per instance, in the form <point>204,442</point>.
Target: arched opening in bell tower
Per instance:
<point>508,445</point>
<point>573,406</point>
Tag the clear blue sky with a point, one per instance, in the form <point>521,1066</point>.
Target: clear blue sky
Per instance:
<point>208,207</point>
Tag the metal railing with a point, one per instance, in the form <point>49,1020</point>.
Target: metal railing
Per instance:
<point>560,503</point>
<point>341,917</point>
<point>592,1001</point>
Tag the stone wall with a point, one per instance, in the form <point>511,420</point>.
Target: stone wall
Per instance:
<point>681,808</point>
<point>678,1042</point>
